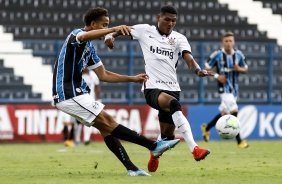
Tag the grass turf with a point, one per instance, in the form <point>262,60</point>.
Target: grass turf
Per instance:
<point>56,164</point>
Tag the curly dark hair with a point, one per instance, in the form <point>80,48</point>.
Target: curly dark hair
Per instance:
<point>168,9</point>
<point>94,14</point>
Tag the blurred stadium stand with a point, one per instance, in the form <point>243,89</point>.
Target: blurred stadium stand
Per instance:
<point>275,5</point>
<point>42,25</point>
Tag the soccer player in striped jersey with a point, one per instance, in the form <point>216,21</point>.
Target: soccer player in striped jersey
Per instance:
<point>161,47</point>
<point>228,64</point>
<point>71,93</point>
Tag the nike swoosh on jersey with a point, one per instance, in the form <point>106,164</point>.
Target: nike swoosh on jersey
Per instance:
<point>151,36</point>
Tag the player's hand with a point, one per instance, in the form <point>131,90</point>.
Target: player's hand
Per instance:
<point>122,30</point>
<point>203,73</point>
<point>236,68</point>
<point>141,78</point>
<point>222,79</point>
<point>110,42</point>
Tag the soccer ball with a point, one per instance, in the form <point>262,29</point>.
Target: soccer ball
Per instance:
<point>228,126</point>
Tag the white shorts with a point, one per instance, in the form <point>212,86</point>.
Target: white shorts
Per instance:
<point>228,103</point>
<point>67,118</point>
<point>84,108</point>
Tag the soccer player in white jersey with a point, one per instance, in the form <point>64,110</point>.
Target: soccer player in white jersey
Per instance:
<point>93,83</point>
<point>71,93</point>
<point>228,63</point>
<point>161,48</point>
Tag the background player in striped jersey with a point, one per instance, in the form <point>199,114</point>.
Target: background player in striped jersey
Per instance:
<point>228,63</point>
<point>161,47</point>
<point>71,93</point>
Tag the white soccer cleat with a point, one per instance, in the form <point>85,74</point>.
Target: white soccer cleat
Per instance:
<point>139,172</point>
<point>163,146</point>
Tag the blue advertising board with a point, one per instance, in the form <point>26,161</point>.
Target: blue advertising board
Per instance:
<point>258,122</point>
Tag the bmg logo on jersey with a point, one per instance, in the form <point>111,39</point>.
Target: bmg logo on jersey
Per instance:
<point>162,51</point>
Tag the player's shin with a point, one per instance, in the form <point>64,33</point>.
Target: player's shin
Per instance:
<point>115,146</point>
<point>121,132</point>
<point>184,128</point>
<point>182,123</point>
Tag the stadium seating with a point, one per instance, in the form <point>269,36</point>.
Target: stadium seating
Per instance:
<point>206,20</point>
<point>275,5</point>
<point>12,87</point>
<point>42,25</point>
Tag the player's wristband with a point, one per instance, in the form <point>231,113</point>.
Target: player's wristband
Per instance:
<point>110,35</point>
<point>197,70</point>
<point>216,75</point>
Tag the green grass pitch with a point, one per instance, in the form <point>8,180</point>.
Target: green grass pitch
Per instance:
<point>53,163</point>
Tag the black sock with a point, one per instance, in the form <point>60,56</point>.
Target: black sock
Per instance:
<point>115,146</point>
<point>121,132</point>
<point>213,122</point>
<point>167,137</point>
<point>71,133</point>
<point>65,132</point>
<point>238,137</point>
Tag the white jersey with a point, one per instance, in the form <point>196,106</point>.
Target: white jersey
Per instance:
<point>161,54</point>
<point>91,80</point>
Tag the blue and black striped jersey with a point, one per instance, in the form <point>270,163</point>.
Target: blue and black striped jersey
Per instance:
<point>223,63</point>
<point>73,57</point>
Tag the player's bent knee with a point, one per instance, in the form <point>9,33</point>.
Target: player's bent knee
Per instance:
<point>104,122</point>
<point>174,106</point>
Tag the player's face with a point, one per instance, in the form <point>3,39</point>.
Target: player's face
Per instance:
<point>166,22</point>
<point>103,23</point>
<point>228,43</point>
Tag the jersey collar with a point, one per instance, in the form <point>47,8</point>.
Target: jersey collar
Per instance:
<point>233,51</point>
<point>161,33</point>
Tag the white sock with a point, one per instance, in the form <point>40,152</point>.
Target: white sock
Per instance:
<point>87,133</point>
<point>159,137</point>
<point>184,128</point>
<point>77,133</point>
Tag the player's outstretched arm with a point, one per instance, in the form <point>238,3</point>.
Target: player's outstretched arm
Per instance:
<point>107,76</point>
<point>220,78</point>
<point>98,33</point>
<point>194,67</point>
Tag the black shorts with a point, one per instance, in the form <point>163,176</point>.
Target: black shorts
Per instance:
<point>152,95</point>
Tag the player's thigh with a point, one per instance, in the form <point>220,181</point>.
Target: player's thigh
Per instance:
<point>165,98</point>
<point>228,103</point>
<point>151,96</point>
<point>83,108</point>
<point>160,99</point>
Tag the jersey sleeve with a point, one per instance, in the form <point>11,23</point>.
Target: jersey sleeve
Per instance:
<point>242,60</point>
<point>74,34</point>
<point>92,64</point>
<point>184,46</point>
<point>94,60</point>
<point>138,30</point>
<point>211,62</point>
